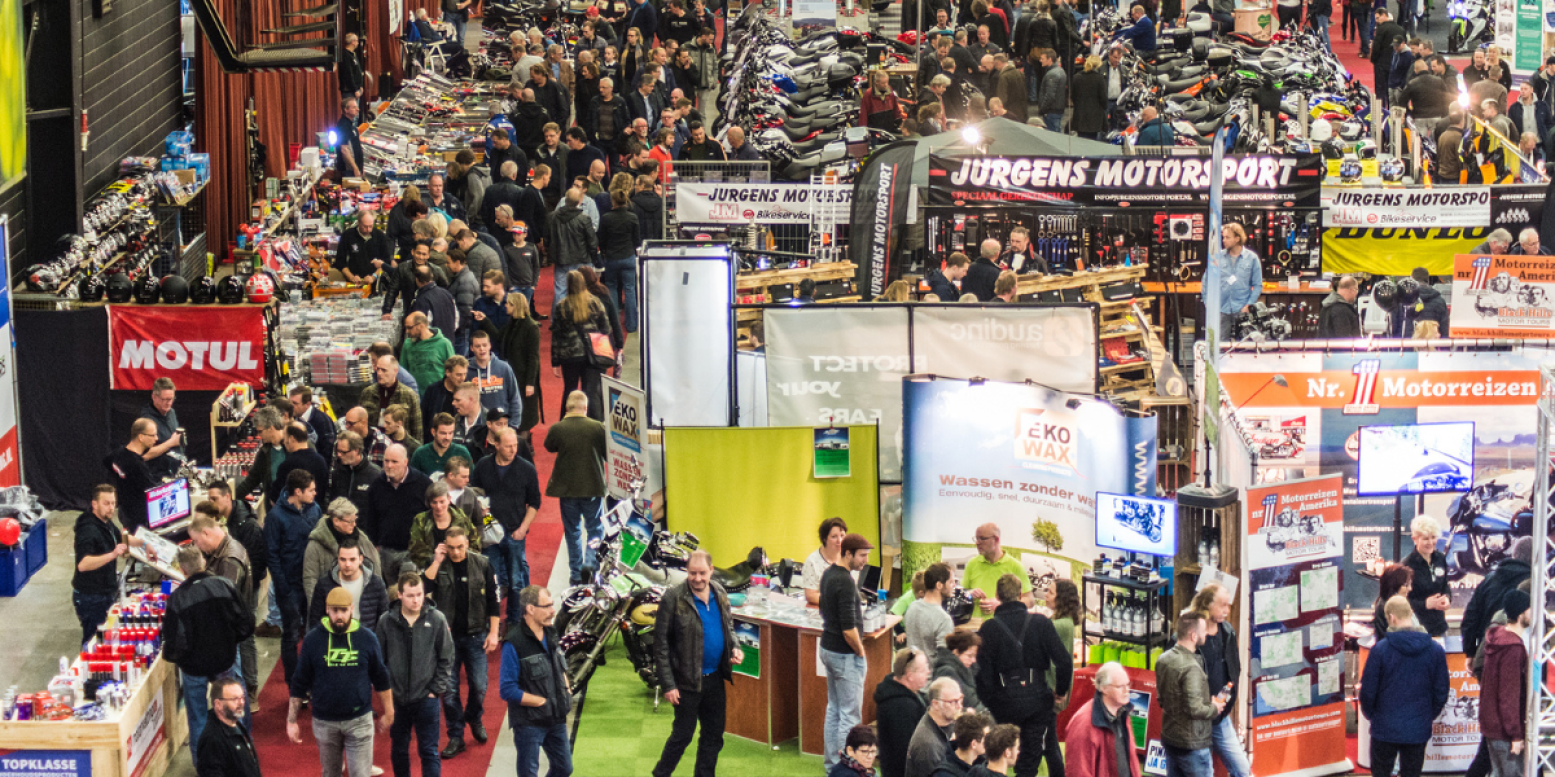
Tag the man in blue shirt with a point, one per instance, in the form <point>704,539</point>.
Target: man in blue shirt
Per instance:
<point>1239,274</point>
<point>695,647</point>
<point>534,683</point>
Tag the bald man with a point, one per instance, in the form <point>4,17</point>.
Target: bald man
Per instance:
<point>513,486</point>
<point>130,476</point>
<point>739,150</point>
<point>983,275</point>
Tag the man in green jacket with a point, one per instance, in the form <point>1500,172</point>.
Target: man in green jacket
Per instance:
<point>1189,707</point>
<point>578,478</point>
<point>424,351</point>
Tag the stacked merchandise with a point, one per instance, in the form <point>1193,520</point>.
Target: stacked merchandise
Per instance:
<point>183,173</point>
<point>108,671</point>
<point>119,235</point>
<point>324,341</point>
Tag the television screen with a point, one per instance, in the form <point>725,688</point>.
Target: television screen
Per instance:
<point>1416,459</point>
<point>167,503</point>
<point>1136,523</point>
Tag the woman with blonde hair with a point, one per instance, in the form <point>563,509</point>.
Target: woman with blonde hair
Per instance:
<point>633,55</point>
<point>1089,91</point>
<point>898,291</point>
<point>519,343</point>
<point>576,324</point>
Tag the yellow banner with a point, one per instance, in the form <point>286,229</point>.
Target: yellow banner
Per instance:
<point>1397,251</point>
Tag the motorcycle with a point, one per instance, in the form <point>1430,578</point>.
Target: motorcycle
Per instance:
<point>1469,23</point>
<point>616,599</point>
<point>1483,523</point>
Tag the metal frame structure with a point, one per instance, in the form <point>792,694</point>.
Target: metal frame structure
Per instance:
<point>1540,750</point>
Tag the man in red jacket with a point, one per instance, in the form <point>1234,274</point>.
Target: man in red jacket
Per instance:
<point>1503,697</point>
<point>1099,737</point>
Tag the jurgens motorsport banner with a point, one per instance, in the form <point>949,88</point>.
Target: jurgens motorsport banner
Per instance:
<point>879,215</point>
<point>703,204</point>
<point>1251,180</point>
<point>1310,428</point>
<point>201,347</point>
<point>843,364</point>
<point>1019,456</point>
<point>1431,236</point>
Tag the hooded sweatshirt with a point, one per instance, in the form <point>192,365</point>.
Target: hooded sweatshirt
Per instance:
<point>340,672</point>
<point>1503,687</point>
<point>1404,669</point>
<point>1339,318</point>
<point>897,712</point>
<point>499,387</point>
<point>947,664</point>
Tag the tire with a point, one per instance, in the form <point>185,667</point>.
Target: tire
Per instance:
<point>1454,41</point>
<point>579,668</point>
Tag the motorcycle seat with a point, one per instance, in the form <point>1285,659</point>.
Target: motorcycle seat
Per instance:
<point>1178,86</point>
<point>738,577</point>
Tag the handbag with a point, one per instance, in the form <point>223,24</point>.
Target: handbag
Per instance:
<point>601,352</point>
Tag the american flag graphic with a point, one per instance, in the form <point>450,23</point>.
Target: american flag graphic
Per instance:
<point>1481,274</point>
<point>1365,387</point>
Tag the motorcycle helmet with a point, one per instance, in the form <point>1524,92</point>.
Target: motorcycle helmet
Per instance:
<point>1349,169</point>
<point>1321,131</point>
<point>119,288</point>
<point>175,290</point>
<point>92,289</point>
<point>1408,291</point>
<point>230,290</point>
<point>260,288</point>
<point>1391,169</point>
<point>148,289</point>
<point>204,291</point>
<point>1385,294</point>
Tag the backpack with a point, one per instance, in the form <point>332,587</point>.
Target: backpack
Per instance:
<point>1023,686</point>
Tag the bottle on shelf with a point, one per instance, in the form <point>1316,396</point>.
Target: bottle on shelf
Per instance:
<point>1107,613</point>
<point>1203,547</point>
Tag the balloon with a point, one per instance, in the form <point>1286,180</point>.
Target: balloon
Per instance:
<point>10,531</point>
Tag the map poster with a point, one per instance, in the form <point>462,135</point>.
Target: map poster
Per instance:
<point>1294,550</point>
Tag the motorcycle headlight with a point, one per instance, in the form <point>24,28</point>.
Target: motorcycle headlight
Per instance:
<point>1495,543</point>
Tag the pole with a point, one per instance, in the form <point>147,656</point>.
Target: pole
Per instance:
<point>1398,526</point>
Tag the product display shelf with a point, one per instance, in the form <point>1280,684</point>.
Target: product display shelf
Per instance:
<point>754,288</point>
<point>139,739</point>
<point>1154,596</point>
<point>1218,520</point>
<point>249,403</point>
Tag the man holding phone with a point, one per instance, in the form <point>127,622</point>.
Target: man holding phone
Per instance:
<point>1188,723</point>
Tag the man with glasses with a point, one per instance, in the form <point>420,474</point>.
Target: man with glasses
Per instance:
<point>130,476</point>
<point>167,453</point>
<point>226,748</point>
<point>931,740</point>
<point>984,570</point>
<point>353,472</point>
<point>339,524</point>
<point>1099,737</point>
<point>538,701</point>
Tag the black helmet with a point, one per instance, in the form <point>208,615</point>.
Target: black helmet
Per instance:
<point>93,288</point>
<point>230,290</point>
<point>1385,294</point>
<point>175,290</point>
<point>1408,291</point>
<point>148,289</point>
<point>203,292</point>
<point>120,289</point>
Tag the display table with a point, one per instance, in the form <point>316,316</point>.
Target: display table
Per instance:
<point>789,698</point>
<point>139,740</point>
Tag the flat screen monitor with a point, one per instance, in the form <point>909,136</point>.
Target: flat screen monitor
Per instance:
<point>167,503</point>
<point>1136,524</point>
<point>869,579</point>
<point>1416,459</point>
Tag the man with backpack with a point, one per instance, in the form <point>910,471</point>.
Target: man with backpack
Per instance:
<point>1018,647</point>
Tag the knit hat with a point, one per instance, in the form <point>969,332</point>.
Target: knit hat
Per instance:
<point>1515,603</point>
<point>340,597</point>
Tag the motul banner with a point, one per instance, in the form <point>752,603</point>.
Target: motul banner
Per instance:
<point>204,347</point>
<point>880,215</point>
<point>1251,181</point>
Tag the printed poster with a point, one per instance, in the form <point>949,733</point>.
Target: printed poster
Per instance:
<point>45,763</point>
<point>832,459</point>
<point>747,636</point>
<point>1503,296</point>
<point>1294,548</point>
<point>1455,732</point>
<point>628,438</point>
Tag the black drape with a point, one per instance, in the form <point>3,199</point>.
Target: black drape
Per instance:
<point>62,363</point>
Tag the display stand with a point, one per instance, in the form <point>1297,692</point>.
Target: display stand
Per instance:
<point>241,393</point>
<point>757,288</point>
<point>1154,595</point>
<point>1218,520</point>
<point>139,740</point>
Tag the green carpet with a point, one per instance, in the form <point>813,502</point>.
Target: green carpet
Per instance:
<point>621,735</point>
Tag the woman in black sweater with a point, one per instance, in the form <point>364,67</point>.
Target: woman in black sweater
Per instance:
<point>1429,593</point>
<point>620,233</point>
<point>519,344</point>
<point>617,337</point>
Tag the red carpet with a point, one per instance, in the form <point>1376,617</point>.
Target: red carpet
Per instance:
<point>280,756</point>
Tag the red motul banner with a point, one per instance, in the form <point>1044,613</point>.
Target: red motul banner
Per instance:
<point>205,347</point>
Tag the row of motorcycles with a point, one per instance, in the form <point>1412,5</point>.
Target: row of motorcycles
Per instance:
<point>623,598</point>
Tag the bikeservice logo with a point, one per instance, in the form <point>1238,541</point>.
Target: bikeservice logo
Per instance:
<point>1047,440</point>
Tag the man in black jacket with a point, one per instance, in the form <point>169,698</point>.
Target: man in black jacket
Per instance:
<point>363,250</point>
<point>321,428</point>
<point>205,621</point>
<point>226,748</point>
<point>1507,575</point>
<point>393,500</point>
<point>464,588</point>
<point>420,662</point>
<point>503,191</point>
<point>1339,317</point>
<point>1383,41</point>
<point>99,544</point>
<point>299,455</point>
<point>353,572</point>
<point>513,486</point>
<point>550,94</point>
<point>353,473</point>
<point>942,283</point>
<point>531,209</point>
<point>1431,307</point>
<point>983,274</point>
<point>502,151</point>
<point>899,708</point>
<point>1011,680</point>
<point>695,649</point>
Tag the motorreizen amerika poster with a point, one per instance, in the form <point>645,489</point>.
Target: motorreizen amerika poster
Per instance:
<point>1503,296</point>
<point>1294,549</point>
<point>1028,459</point>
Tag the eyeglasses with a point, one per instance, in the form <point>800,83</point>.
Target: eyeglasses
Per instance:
<point>546,606</point>
<point>956,701</point>
<point>987,539</point>
<point>867,752</point>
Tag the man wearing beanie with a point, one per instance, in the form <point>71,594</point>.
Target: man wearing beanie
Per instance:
<point>1490,594</point>
<point>1503,688</point>
<point>842,644</point>
<point>341,667</point>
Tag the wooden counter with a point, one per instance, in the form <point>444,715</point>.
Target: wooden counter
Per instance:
<point>139,742</point>
<point>789,699</point>
<point>1268,288</point>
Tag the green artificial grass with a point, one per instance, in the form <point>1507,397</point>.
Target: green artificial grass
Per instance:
<point>621,735</point>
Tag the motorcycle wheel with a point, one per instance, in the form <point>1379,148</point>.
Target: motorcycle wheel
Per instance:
<point>579,667</point>
<point>1454,41</point>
